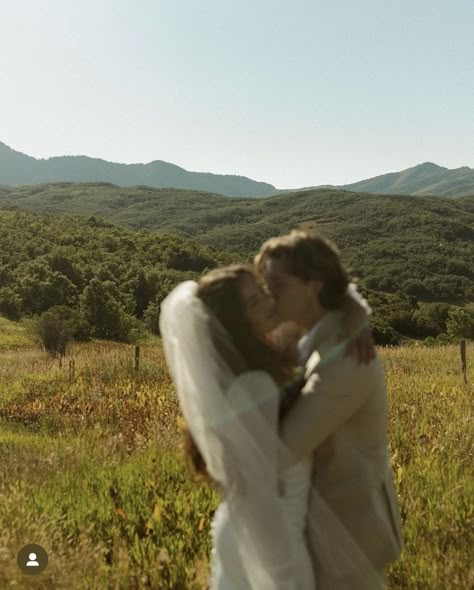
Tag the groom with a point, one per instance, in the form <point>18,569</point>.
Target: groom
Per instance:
<point>341,416</point>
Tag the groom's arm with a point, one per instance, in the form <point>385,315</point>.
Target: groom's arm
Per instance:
<point>328,399</point>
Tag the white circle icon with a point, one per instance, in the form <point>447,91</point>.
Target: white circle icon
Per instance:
<point>32,562</point>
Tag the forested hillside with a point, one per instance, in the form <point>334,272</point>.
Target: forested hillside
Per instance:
<point>110,275</point>
<point>414,265</point>
<point>420,246</point>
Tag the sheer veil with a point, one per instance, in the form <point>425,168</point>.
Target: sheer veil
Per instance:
<point>232,414</point>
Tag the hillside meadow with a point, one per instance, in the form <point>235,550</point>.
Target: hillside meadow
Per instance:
<point>91,469</point>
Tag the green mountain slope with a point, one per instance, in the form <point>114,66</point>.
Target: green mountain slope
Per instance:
<point>414,257</point>
<point>424,179</point>
<point>421,246</point>
<point>17,168</point>
<point>110,274</point>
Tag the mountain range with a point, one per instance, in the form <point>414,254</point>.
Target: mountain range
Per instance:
<point>424,179</point>
<point>17,168</point>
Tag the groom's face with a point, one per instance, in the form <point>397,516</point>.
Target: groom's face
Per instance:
<point>295,298</point>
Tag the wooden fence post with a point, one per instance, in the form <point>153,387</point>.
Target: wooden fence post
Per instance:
<point>137,358</point>
<point>72,370</point>
<point>463,360</point>
<point>62,353</point>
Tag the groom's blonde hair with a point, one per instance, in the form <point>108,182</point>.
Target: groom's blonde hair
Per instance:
<point>309,257</point>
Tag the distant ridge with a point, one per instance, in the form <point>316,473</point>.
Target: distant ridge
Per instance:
<point>424,179</point>
<point>17,168</point>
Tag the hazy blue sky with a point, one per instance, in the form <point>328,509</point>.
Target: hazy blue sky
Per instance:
<point>295,92</point>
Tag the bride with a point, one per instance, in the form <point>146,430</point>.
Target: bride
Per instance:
<point>233,388</point>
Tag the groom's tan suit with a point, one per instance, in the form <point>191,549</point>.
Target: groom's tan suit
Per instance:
<point>341,417</point>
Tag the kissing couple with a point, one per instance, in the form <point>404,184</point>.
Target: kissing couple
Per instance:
<point>291,433</point>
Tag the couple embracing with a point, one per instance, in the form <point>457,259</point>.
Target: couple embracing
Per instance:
<point>292,433</point>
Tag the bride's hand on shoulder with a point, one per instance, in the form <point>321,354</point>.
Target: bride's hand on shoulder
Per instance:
<point>362,347</point>
<point>361,344</point>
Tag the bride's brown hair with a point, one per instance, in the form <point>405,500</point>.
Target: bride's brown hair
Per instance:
<point>220,290</point>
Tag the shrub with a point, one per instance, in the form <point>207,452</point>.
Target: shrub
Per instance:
<point>460,323</point>
<point>151,317</point>
<point>430,319</point>
<point>102,309</point>
<point>384,334</point>
<point>10,304</point>
<point>57,326</point>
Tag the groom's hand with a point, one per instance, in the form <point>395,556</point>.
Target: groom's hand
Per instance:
<point>362,347</point>
<point>361,344</point>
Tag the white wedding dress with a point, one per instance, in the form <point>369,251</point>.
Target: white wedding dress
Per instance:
<point>228,572</point>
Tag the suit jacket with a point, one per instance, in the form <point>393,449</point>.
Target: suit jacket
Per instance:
<point>341,417</point>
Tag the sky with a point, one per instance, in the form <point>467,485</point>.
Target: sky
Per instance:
<point>291,92</point>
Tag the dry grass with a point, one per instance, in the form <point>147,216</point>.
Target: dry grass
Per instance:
<point>89,468</point>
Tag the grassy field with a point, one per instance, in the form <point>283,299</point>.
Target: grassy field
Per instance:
<point>90,468</point>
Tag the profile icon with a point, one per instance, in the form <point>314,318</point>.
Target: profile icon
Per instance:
<point>32,562</point>
<point>32,559</point>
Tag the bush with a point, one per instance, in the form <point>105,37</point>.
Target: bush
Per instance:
<point>41,288</point>
<point>151,317</point>
<point>443,339</point>
<point>400,318</point>
<point>10,304</point>
<point>460,323</point>
<point>133,329</point>
<point>165,282</point>
<point>384,334</point>
<point>57,326</point>
<point>415,287</point>
<point>430,318</point>
<point>105,313</point>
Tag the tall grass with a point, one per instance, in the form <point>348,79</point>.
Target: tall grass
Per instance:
<point>91,469</point>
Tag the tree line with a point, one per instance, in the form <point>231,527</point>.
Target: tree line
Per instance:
<point>88,278</point>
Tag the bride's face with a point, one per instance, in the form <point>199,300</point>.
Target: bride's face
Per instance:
<point>259,305</point>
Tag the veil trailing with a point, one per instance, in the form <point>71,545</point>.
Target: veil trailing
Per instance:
<point>232,414</point>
